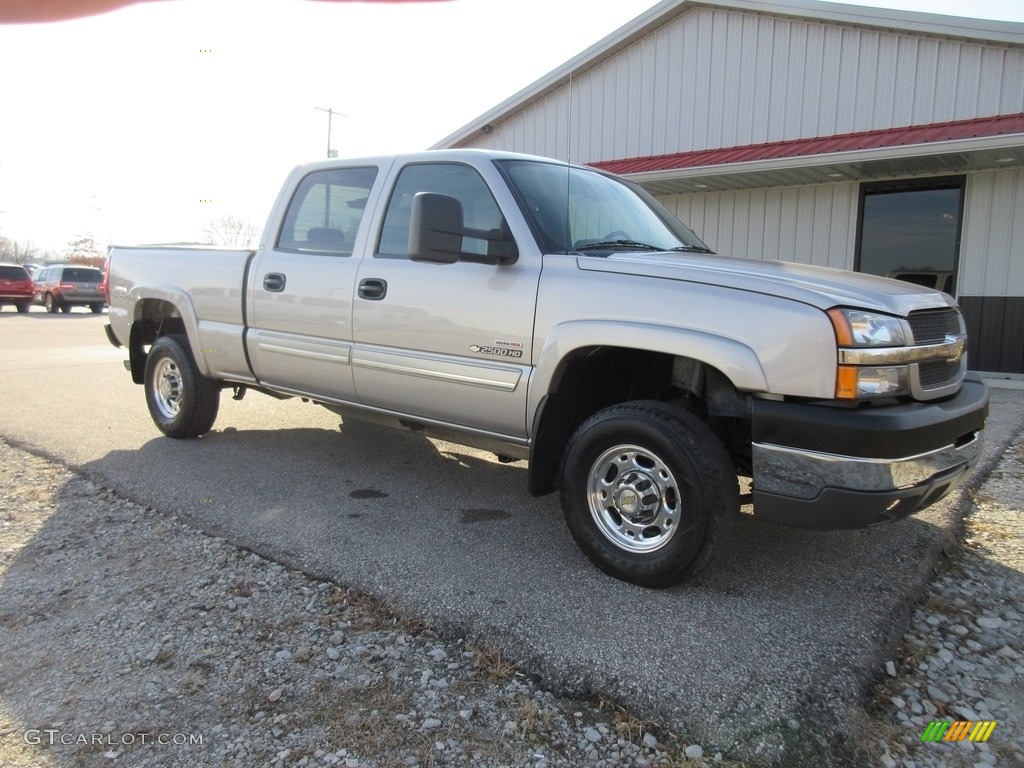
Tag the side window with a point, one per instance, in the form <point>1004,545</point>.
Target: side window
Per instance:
<point>479,209</point>
<point>324,214</point>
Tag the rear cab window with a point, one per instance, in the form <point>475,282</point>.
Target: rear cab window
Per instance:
<point>326,211</point>
<point>13,273</point>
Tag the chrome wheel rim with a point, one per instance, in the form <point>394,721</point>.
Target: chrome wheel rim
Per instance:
<point>167,388</point>
<point>634,498</point>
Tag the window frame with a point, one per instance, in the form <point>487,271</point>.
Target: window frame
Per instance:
<point>923,184</point>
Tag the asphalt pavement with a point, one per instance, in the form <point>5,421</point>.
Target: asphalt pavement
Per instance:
<point>764,656</point>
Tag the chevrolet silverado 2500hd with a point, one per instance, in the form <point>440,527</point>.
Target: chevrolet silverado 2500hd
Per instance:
<point>554,313</point>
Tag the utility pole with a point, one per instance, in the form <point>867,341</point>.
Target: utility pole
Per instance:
<point>330,114</point>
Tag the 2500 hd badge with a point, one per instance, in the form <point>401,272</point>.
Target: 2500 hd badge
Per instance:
<point>499,351</point>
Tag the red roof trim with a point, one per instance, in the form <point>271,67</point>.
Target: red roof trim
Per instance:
<point>890,137</point>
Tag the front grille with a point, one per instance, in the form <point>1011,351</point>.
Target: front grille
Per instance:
<point>935,378</point>
<point>937,374</point>
<point>931,326</point>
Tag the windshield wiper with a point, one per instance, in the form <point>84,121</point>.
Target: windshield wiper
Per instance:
<point>618,244</point>
<point>692,249</point>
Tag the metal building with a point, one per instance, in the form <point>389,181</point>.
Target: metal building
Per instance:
<point>885,141</point>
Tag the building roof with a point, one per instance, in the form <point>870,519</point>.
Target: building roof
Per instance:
<point>939,148</point>
<point>981,127</point>
<point>952,147</point>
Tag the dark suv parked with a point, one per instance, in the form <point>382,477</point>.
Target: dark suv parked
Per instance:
<point>65,286</point>
<point>15,286</point>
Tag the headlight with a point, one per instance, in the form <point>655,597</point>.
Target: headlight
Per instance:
<point>855,328</point>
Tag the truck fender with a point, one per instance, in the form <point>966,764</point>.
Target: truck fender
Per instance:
<point>182,303</point>
<point>548,436</point>
<point>738,362</point>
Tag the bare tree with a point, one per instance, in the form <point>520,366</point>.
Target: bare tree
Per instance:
<point>17,253</point>
<point>83,250</point>
<point>230,230</point>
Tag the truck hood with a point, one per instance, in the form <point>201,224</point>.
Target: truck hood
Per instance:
<point>820,287</point>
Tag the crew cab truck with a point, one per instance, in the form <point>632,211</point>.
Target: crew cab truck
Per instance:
<point>555,313</point>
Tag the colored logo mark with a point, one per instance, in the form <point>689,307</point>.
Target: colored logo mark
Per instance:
<point>959,730</point>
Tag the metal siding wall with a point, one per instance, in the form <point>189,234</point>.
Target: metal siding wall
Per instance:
<point>810,224</point>
<point>992,243</point>
<point>714,78</point>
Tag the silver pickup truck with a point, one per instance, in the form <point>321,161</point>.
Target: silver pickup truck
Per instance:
<point>554,313</point>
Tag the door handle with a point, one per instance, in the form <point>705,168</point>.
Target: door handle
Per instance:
<point>373,288</point>
<point>274,281</point>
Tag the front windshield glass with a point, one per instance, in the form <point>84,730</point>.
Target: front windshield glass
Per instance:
<point>572,209</point>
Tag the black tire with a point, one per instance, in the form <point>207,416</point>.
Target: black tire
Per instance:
<point>96,308</point>
<point>23,307</point>
<point>182,402</point>
<point>649,493</point>
<point>65,307</point>
<point>50,303</point>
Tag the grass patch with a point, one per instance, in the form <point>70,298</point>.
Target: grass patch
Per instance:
<point>977,528</point>
<point>490,665</point>
<point>361,721</point>
<point>633,727</point>
<point>933,603</point>
<point>367,612</point>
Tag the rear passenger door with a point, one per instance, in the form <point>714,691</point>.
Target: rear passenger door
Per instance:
<point>301,284</point>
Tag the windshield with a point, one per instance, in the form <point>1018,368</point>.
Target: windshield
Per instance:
<point>572,209</point>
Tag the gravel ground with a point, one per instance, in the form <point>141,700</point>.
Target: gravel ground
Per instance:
<point>129,638</point>
<point>963,655</point>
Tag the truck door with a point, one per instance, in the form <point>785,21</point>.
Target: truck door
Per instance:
<point>446,342</point>
<point>301,286</point>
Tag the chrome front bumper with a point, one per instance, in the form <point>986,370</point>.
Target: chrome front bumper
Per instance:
<point>802,474</point>
<point>817,466</point>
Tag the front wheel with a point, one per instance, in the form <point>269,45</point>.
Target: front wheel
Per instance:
<point>182,402</point>
<point>648,492</point>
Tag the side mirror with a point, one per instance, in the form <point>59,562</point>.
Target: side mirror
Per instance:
<point>437,234</point>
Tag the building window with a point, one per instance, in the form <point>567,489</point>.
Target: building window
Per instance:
<point>910,230</point>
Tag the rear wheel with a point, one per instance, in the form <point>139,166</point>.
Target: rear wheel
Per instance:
<point>648,492</point>
<point>23,307</point>
<point>182,402</point>
<point>50,303</point>
<point>65,307</point>
<point>96,308</point>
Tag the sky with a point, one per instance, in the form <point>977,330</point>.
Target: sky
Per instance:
<point>141,124</point>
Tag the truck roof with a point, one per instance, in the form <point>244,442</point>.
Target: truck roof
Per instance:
<point>455,155</point>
